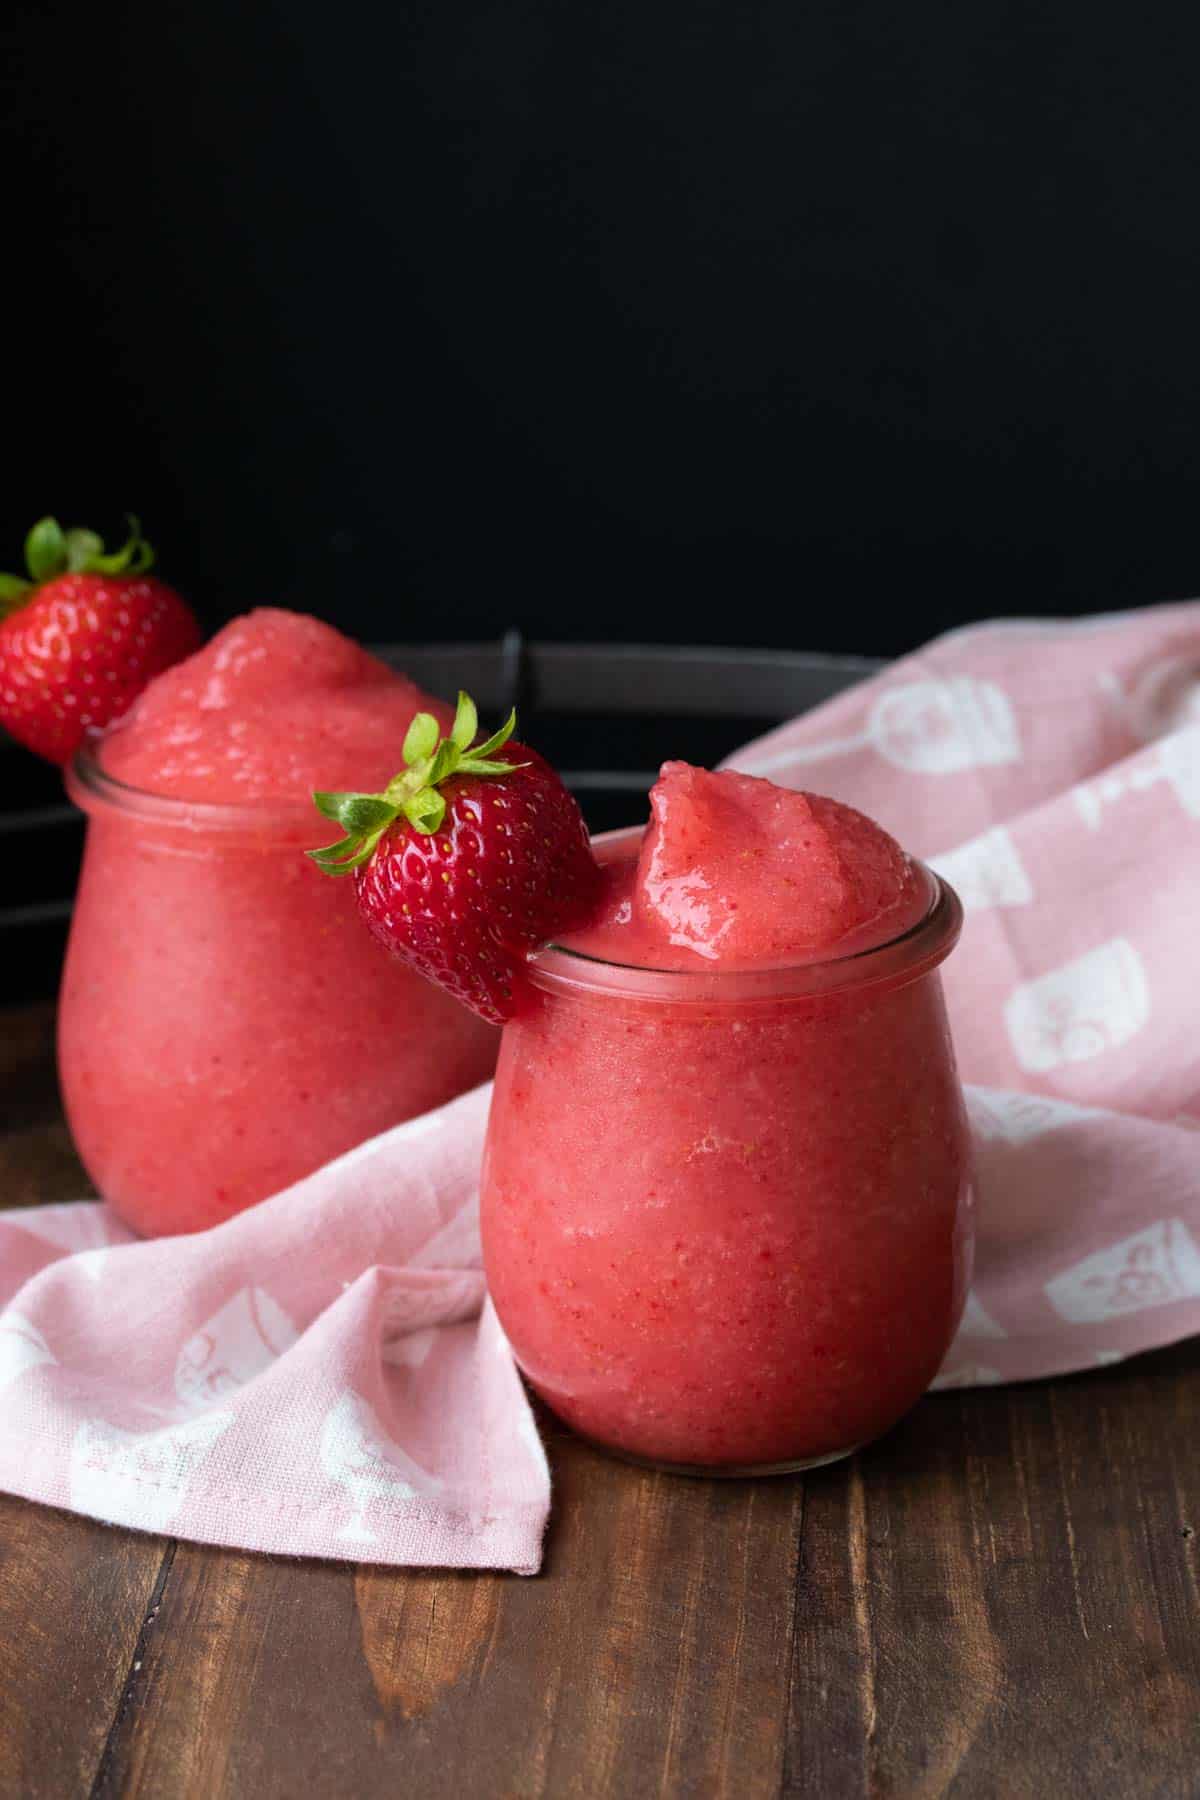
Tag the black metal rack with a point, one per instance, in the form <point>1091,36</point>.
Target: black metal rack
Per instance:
<point>605,714</point>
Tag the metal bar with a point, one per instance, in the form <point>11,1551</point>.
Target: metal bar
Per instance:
<point>482,669</point>
<point>706,682</point>
<point>633,781</point>
<point>631,678</point>
<point>40,818</point>
<point>44,912</point>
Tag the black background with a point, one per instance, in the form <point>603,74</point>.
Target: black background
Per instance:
<point>803,324</point>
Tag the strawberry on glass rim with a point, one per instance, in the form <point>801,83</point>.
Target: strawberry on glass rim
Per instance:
<point>466,862</point>
<point>82,634</point>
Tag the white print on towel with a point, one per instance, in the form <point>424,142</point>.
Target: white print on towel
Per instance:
<point>923,727</point>
<point>986,872</point>
<point>967,1375</point>
<point>139,1478</point>
<point>1175,761</point>
<point>412,1351</point>
<point>22,1347</point>
<point>1003,1115</point>
<point>242,1338</point>
<point>358,1454</point>
<point>977,1322</point>
<point>1088,1006</point>
<point>1163,698</point>
<point>1151,1268</point>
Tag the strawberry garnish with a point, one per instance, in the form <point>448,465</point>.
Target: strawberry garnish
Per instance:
<point>466,862</point>
<point>81,637</point>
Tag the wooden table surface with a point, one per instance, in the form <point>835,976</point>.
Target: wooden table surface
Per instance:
<point>1000,1599</point>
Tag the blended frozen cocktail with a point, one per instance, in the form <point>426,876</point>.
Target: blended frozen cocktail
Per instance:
<point>226,1026</point>
<point>726,1198</point>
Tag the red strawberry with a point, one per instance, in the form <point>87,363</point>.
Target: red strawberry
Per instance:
<point>82,637</point>
<point>464,864</point>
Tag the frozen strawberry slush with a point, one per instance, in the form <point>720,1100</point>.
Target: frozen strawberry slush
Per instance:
<point>277,704</point>
<point>740,873</point>
<point>726,1192</point>
<point>226,1025</point>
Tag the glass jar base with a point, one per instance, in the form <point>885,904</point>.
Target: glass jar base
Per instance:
<point>723,1471</point>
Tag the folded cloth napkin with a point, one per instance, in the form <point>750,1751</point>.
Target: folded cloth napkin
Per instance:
<point>324,1375</point>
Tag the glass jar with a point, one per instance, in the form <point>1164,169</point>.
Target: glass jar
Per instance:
<point>226,1025</point>
<point>727,1217</point>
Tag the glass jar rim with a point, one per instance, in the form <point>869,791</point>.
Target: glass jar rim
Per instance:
<point>896,962</point>
<point>94,789</point>
<point>556,968</point>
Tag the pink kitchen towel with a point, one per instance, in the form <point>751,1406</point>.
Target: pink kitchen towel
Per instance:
<point>321,1375</point>
<point>324,1376</point>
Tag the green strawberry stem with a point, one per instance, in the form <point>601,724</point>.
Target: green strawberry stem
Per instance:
<point>414,793</point>
<point>50,551</point>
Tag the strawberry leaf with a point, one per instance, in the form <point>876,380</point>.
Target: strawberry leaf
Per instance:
<point>425,811</point>
<point>348,864</point>
<point>133,558</point>
<point>421,738</point>
<point>498,738</point>
<point>356,813</point>
<point>475,765</point>
<point>46,550</point>
<point>13,590</point>
<point>415,792</point>
<point>332,853</point>
<point>444,763</point>
<point>466,722</point>
<point>51,551</point>
<point>82,548</point>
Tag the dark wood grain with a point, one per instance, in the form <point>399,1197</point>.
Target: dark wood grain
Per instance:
<point>1002,1599</point>
<point>74,1597</point>
<point>37,1160</point>
<point>651,1656</point>
<point>1020,1572</point>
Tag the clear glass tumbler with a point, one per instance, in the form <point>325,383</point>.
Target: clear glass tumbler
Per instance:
<point>727,1217</point>
<point>226,1025</point>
